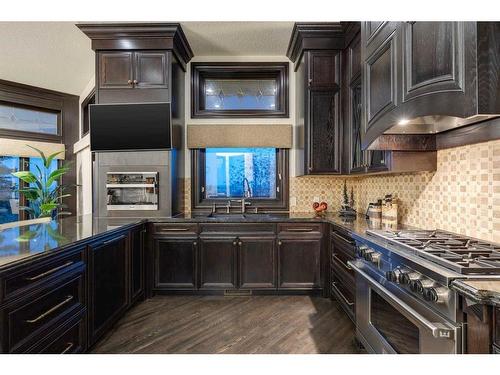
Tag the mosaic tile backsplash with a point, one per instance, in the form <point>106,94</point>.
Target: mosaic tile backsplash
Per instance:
<point>462,196</point>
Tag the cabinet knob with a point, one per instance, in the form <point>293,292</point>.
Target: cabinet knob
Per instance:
<point>195,243</point>
<point>234,243</point>
<point>136,82</point>
<point>240,243</point>
<point>279,243</point>
<point>129,81</point>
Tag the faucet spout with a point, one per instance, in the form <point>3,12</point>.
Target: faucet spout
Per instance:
<point>247,190</point>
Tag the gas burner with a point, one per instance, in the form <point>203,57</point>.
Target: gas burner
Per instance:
<point>458,253</point>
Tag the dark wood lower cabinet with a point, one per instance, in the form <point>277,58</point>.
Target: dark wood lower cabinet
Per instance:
<point>137,237</point>
<point>299,263</point>
<point>175,263</point>
<point>108,286</point>
<point>257,262</point>
<point>218,263</point>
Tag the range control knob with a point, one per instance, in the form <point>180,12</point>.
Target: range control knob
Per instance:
<point>367,254</point>
<point>373,257</point>
<point>393,275</point>
<point>361,250</point>
<point>408,277</point>
<point>436,294</point>
<point>419,285</point>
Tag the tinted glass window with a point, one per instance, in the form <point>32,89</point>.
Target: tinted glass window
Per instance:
<point>28,119</point>
<point>240,172</point>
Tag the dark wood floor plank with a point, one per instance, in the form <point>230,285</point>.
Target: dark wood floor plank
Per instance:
<point>217,324</point>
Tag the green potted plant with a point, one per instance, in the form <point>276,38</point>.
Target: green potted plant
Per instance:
<point>44,199</point>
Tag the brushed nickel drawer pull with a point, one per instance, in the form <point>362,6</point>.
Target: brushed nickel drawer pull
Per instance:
<point>68,348</point>
<point>174,229</point>
<point>343,239</point>
<point>50,311</point>
<point>346,266</point>
<point>299,229</point>
<point>334,285</point>
<point>51,271</point>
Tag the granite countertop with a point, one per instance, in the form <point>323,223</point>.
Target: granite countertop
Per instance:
<point>30,241</point>
<point>485,291</point>
<point>19,244</point>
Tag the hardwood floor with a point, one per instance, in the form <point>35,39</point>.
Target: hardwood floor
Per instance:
<point>217,324</point>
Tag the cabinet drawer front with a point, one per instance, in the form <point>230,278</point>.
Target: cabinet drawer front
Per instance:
<point>299,229</point>
<point>175,229</point>
<point>344,297</point>
<point>345,249</point>
<point>28,277</point>
<point>70,339</point>
<point>27,320</point>
<point>343,271</point>
<point>233,229</point>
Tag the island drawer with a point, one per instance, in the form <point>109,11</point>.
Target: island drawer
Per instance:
<point>174,229</point>
<point>20,280</point>
<point>68,339</point>
<point>27,319</point>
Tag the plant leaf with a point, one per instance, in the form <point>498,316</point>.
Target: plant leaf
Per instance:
<point>26,176</point>
<point>51,157</point>
<point>55,175</point>
<point>30,193</point>
<point>42,155</point>
<point>26,236</point>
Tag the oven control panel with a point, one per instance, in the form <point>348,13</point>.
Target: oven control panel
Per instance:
<point>429,289</point>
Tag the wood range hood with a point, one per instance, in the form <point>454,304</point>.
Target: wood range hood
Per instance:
<point>427,84</point>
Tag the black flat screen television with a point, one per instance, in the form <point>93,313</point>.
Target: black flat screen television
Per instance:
<point>119,127</point>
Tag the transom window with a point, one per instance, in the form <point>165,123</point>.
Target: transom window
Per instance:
<point>239,90</point>
<point>28,119</point>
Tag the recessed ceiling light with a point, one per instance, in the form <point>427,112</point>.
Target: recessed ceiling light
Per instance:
<point>403,121</point>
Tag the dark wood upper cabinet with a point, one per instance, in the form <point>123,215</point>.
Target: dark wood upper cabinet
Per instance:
<point>323,69</point>
<point>175,263</point>
<point>116,70</point>
<point>137,62</point>
<point>218,263</point>
<point>421,78</point>
<point>324,132</point>
<point>109,282</point>
<point>151,69</point>
<point>257,262</point>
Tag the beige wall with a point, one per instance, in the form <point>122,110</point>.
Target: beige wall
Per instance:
<point>462,196</point>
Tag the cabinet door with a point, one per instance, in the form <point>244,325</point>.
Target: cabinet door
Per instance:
<point>218,263</point>
<point>299,263</point>
<point>323,69</point>
<point>431,58</point>
<point>357,155</point>
<point>175,263</point>
<point>115,70</point>
<point>380,79</point>
<point>108,284</point>
<point>257,263</point>
<point>150,70</point>
<point>137,263</point>
<point>378,160</point>
<point>323,146</point>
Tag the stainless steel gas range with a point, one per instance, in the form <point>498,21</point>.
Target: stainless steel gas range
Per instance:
<point>404,300</point>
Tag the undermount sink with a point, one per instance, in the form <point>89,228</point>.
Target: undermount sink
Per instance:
<point>240,216</point>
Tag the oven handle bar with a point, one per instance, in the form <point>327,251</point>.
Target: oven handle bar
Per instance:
<point>438,330</point>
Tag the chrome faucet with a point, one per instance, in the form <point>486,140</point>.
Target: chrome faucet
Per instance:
<point>247,190</point>
<point>243,202</point>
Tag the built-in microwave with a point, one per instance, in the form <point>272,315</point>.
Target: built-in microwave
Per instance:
<point>132,190</point>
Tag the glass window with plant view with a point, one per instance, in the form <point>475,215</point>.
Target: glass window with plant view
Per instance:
<point>240,172</point>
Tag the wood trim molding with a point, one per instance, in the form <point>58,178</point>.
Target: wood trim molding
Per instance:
<point>130,36</point>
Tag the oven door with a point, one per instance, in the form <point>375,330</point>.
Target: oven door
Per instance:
<point>389,320</point>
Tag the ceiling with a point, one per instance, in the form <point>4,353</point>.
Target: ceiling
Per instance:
<point>57,55</point>
<point>52,55</point>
